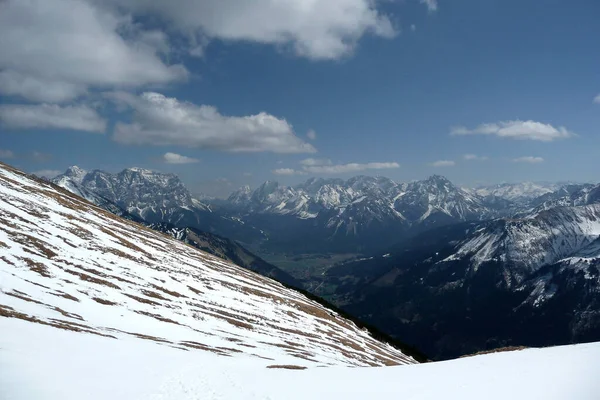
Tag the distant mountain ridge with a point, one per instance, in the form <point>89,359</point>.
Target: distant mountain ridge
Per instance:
<point>358,215</point>
<point>152,197</point>
<point>348,214</point>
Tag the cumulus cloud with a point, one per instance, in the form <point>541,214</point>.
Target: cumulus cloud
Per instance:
<point>347,168</point>
<point>47,173</point>
<point>309,162</point>
<point>54,50</point>
<point>51,116</point>
<point>443,163</point>
<point>314,29</point>
<point>6,154</point>
<point>529,160</point>
<point>432,5</point>
<point>312,135</point>
<point>286,171</point>
<point>526,130</point>
<point>474,157</point>
<point>173,158</point>
<point>324,166</point>
<point>160,120</point>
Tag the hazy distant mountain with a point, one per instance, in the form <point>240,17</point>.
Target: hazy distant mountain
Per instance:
<point>357,214</point>
<point>521,192</point>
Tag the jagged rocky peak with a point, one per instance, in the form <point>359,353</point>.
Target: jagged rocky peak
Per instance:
<point>313,185</point>
<point>263,191</point>
<point>141,192</point>
<point>75,173</point>
<point>439,182</point>
<point>240,196</point>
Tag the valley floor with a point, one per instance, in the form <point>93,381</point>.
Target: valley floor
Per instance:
<point>44,363</point>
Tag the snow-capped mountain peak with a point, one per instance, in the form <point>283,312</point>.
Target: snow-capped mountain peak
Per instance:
<point>141,192</point>
<point>75,173</point>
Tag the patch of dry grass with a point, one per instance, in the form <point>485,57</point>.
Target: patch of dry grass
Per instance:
<point>296,367</point>
<point>157,317</point>
<point>92,279</point>
<point>167,291</point>
<point>37,267</point>
<point>9,312</point>
<point>498,350</point>
<point>142,300</point>
<point>103,301</point>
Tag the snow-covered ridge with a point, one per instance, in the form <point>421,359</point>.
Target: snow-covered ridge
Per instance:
<point>540,239</point>
<point>521,191</point>
<point>364,200</point>
<point>68,264</point>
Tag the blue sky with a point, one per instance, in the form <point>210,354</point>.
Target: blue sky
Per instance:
<point>482,91</point>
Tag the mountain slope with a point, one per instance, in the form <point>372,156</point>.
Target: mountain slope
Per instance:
<point>477,286</point>
<point>226,249</point>
<point>68,264</point>
<point>529,243</point>
<point>216,245</point>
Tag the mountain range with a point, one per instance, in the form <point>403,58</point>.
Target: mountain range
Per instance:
<point>358,215</point>
<point>446,269</point>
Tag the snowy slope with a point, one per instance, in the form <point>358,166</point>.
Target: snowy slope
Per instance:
<point>41,363</point>
<point>70,265</point>
<point>531,242</point>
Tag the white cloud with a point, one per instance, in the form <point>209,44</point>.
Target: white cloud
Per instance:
<point>347,168</point>
<point>325,166</point>
<point>247,174</point>
<point>173,158</point>
<point>54,50</point>
<point>315,161</point>
<point>474,157</point>
<point>529,160</point>
<point>530,130</point>
<point>47,116</point>
<point>312,135</point>
<point>413,28</point>
<point>160,120</point>
<point>286,171</point>
<point>315,29</point>
<point>597,99</point>
<point>443,163</point>
<point>432,5</point>
<point>47,173</point>
<point>6,154</point>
